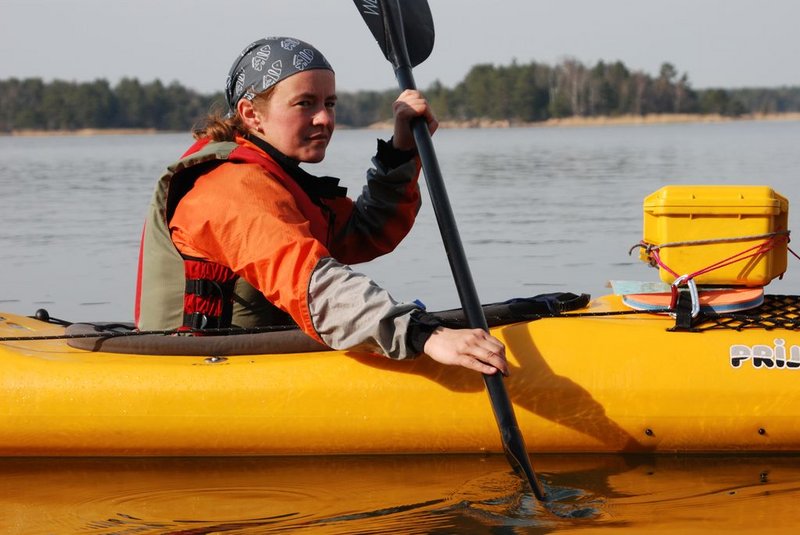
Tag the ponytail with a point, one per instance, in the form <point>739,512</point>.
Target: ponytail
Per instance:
<point>219,127</point>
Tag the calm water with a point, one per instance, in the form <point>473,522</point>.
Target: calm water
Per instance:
<point>539,210</point>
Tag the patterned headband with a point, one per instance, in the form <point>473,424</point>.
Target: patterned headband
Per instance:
<point>266,62</point>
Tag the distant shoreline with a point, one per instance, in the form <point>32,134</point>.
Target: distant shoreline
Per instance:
<point>652,119</point>
<point>622,120</point>
<point>84,132</point>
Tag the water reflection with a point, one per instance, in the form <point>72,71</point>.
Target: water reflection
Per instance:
<point>408,494</point>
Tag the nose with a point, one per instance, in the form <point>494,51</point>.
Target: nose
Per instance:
<point>324,117</point>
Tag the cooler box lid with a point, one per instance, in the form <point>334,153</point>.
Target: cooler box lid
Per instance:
<point>715,200</point>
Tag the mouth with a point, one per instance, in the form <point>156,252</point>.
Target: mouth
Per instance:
<point>319,137</point>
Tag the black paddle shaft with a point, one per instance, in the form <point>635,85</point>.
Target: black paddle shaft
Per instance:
<point>397,53</point>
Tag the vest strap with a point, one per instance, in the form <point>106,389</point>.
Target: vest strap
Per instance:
<point>203,288</point>
<point>208,294</point>
<point>198,320</point>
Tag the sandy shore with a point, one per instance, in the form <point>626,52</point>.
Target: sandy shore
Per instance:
<point>665,118</point>
<point>84,132</point>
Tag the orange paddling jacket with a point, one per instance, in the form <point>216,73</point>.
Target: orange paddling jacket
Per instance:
<point>237,234</point>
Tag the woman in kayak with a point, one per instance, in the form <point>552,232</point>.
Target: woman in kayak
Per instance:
<point>238,234</point>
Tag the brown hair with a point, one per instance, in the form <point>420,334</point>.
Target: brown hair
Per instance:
<point>219,127</point>
<point>224,127</point>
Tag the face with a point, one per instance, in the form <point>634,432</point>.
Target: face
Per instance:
<point>298,118</point>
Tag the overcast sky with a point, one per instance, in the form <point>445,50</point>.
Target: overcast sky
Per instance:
<point>719,43</point>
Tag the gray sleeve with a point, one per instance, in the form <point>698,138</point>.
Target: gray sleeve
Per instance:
<point>350,311</point>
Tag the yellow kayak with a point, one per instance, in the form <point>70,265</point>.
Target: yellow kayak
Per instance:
<point>602,378</point>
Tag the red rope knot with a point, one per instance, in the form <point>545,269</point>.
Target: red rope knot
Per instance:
<point>648,250</point>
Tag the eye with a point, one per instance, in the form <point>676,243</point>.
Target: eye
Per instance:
<point>330,104</point>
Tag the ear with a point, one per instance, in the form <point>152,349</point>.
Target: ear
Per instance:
<point>247,112</point>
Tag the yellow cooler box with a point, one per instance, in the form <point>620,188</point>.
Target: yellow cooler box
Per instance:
<point>696,227</point>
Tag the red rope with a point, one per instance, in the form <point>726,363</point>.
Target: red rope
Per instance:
<point>756,250</point>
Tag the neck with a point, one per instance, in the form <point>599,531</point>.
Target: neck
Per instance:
<point>274,153</point>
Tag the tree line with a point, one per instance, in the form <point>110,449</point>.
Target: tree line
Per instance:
<point>518,93</point>
<point>537,92</point>
<point>60,105</point>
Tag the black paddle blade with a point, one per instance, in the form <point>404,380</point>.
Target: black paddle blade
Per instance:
<point>417,27</point>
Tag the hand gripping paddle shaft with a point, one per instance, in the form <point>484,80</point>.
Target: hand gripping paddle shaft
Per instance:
<point>404,31</point>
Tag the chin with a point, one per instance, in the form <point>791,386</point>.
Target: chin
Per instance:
<point>313,157</point>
